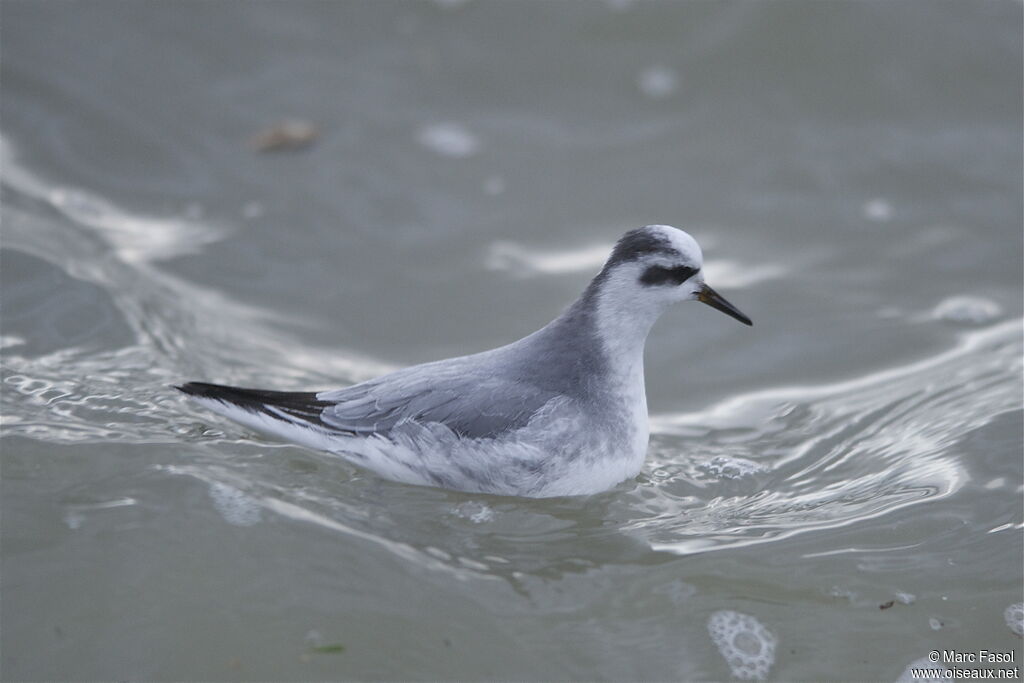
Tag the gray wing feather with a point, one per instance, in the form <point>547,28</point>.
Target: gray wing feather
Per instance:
<point>448,392</point>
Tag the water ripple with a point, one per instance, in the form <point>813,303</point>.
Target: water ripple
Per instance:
<point>754,468</point>
<point>833,454</point>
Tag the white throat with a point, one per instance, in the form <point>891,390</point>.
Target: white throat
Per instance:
<point>623,321</point>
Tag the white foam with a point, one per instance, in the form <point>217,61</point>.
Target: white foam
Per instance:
<point>934,624</point>
<point>1014,615</point>
<point>845,593</point>
<point>969,310</point>
<point>906,598</point>
<point>136,238</point>
<point>725,467</point>
<point>523,261</point>
<point>478,513</point>
<point>725,273</point>
<point>7,340</point>
<point>234,505</point>
<point>449,139</point>
<point>924,663</point>
<point>657,82</point>
<point>748,647</point>
<point>878,210</point>
<point>75,515</point>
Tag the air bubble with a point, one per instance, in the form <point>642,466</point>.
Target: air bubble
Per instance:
<point>748,647</point>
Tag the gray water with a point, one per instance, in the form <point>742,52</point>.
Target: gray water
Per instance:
<point>847,472</point>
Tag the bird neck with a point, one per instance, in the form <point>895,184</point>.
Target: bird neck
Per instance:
<point>595,344</point>
<point>606,328</point>
<point>622,324</point>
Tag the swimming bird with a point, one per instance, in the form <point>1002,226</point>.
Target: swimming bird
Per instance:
<point>560,412</point>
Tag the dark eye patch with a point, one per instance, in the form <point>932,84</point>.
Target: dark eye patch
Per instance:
<point>659,275</point>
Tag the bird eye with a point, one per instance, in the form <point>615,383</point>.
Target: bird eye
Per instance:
<point>660,275</point>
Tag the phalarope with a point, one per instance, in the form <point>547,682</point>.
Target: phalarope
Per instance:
<point>560,412</point>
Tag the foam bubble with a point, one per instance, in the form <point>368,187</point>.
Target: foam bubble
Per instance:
<point>970,310</point>
<point>1014,615</point>
<point>448,139</point>
<point>845,593</point>
<point>725,467</point>
<point>748,647</point>
<point>906,598</point>
<point>478,513</point>
<point>234,505</point>
<point>923,663</point>
<point>657,82</point>
<point>878,210</point>
<point>934,623</point>
<point>73,520</point>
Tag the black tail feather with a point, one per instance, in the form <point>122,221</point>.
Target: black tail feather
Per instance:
<point>302,405</point>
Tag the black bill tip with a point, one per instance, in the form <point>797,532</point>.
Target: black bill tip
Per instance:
<point>717,301</point>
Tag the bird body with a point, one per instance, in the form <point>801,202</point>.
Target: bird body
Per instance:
<point>560,412</point>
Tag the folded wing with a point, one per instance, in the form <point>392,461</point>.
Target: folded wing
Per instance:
<point>470,405</point>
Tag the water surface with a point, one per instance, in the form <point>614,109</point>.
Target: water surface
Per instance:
<point>852,170</point>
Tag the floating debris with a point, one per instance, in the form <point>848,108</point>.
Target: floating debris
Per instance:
<point>316,644</point>
<point>934,624</point>
<point>329,649</point>
<point>748,647</point>
<point>887,605</point>
<point>290,134</point>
